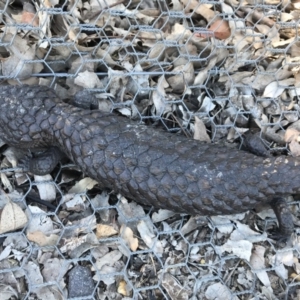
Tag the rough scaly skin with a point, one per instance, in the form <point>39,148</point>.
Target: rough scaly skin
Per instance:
<point>147,165</point>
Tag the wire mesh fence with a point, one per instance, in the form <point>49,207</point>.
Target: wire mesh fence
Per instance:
<point>210,70</point>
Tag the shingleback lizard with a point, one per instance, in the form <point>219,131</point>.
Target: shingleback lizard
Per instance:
<point>147,165</point>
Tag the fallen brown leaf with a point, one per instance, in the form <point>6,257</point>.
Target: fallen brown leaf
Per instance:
<point>103,230</point>
<point>29,15</point>
<point>41,239</point>
<point>127,235</point>
<point>122,288</point>
<point>12,218</point>
<point>291,134</point>
<point>219,29</point>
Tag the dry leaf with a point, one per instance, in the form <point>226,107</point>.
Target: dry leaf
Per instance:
<point>275,88</point>
<point>257,261</point>
<point>174,288</point>
<point>19,51</point>
<point>122,288</point>
<point>294,148</point>
<point>185,76</point>
<point>202,9</point>
<point>295,277</point>
<point>74,244</point>
<point>109,259</point>
<point>88,80</point>
<point>33,272</point>
<point>46,190</point>
<point>103,230</point>
<point>38,220</point>
<point>146,232</point>
<point>6,182</point>
<point>241,249</point>
<point>291,134</point>
<point>159,96</point>
<point>8,291</point>
<point>219,29</point>
<point>29,15</point>
<point>12,218</point>
<point>200,133</point>
<point>76,203</point>
<point>161,215</point>
<point>50,3</point>
<point>41,239</point>
<point>202,75</point>
<point>216,290</point>
<point>30,18</point>
<point>292,137</point>
<point>83,185</point>
<point>280,260</point>
<point>244,232</point>
<point>127,235</point>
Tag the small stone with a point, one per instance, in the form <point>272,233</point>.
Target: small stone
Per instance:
<point>80,282</point>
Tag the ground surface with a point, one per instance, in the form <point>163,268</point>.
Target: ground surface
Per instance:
<point>211,71</point>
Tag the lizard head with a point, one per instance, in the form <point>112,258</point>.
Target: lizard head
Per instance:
<point>23,110</point>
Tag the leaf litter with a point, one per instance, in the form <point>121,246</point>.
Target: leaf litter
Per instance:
<point>206,70</point>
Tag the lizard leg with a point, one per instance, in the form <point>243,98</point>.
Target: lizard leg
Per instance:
<point>43,163</point>
<point>85,99</point>
<point>284,217</point>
